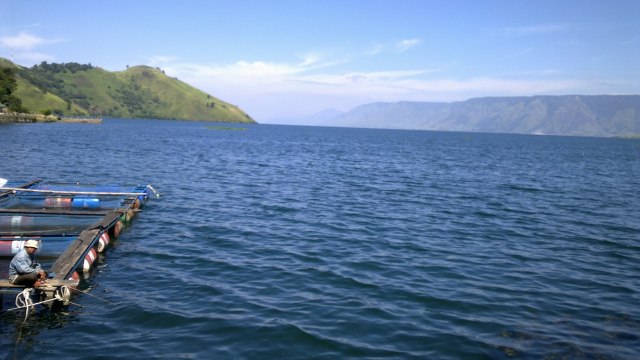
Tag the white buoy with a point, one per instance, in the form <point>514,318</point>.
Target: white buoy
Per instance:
<point>89,259</point>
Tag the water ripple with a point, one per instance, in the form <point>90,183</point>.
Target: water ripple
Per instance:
<point>320,243</point>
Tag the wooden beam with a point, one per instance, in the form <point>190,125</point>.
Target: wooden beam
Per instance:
<point>74,254</point>
<point>50,283</point>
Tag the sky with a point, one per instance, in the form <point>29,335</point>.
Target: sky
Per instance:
<point>282,60</point>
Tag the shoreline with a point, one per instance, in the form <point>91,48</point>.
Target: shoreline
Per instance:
<point>26,118</point>
<point>10,118</point>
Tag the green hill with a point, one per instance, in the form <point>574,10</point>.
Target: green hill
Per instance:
<point>73,89</point>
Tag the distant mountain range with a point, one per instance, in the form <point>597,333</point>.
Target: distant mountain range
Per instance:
<point>579,115</point>
<point>73,89</point>
<point>314,119</point>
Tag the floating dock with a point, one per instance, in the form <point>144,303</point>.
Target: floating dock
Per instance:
<point>72,222</point>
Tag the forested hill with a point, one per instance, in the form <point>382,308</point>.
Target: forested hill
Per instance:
<point>581,115</point>
<point>73,89</point>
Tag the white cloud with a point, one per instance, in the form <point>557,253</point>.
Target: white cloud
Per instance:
<point>270,89</point>
<point>399,46</point>
<point>242,71</point>
<point>311,59</point>
<point>405,45</point>
<point>29,57</point>
<point>25,41</point>
<point>374,49</point>
<point>23,46</point>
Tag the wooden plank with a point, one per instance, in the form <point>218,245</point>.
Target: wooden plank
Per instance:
<point>107,221</point>
<point>74,254</point>
<point>51,283</point>
<point>66,263</point>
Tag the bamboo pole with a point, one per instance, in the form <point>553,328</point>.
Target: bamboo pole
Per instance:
<point>74,192</point>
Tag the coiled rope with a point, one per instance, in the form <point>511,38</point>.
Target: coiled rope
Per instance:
<point>23,300</point>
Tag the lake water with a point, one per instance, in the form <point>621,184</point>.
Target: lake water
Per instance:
<point>286,242</point>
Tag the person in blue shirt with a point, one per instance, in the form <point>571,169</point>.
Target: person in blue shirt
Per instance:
<point>24,269</point>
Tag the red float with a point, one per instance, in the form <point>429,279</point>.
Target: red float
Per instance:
<point>74,276</point>
<point>58,202</point>
<point>15,221</point>
<point>10,246</point>
<point>103,242</point>
<point>89,259</point>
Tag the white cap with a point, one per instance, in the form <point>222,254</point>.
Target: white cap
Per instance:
<point>31,243</point>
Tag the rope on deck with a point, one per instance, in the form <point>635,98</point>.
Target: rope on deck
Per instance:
<point>23,300</point>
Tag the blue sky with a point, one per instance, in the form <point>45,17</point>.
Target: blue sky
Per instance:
<point>285,59</point>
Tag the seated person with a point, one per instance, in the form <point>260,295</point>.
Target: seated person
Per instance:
<point>24,269</point>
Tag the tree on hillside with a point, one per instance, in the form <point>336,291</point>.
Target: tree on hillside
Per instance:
<point>7,82</point>
<point>8,85</point>
<point>57,68</point>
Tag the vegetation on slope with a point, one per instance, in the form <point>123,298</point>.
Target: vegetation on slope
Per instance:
<point>8,86</point>
<point>73,89</point>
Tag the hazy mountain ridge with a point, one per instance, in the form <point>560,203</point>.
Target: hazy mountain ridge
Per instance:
<point>313,119</point>
<point>73,89</point>
<point>580,115</point>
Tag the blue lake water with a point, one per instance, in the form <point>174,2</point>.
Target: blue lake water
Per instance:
<point>286,242</point>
